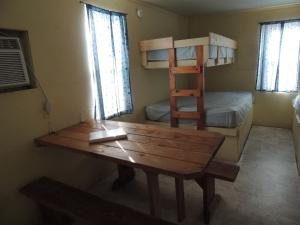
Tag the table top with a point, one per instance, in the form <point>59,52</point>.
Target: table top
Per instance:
<point>172,151</point>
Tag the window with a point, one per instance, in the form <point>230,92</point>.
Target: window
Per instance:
<point>109,45</point>
<point>278,67</point>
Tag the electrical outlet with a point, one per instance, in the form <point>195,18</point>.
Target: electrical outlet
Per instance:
<point>47,107</point>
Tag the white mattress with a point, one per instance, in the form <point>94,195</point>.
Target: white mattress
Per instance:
<point>223,109</point>
<point>189,53</point>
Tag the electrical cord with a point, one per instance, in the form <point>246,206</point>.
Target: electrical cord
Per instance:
<point>38,82</point>
<point>47,104</point>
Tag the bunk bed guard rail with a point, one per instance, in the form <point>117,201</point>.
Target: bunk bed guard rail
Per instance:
<point>218,50</point>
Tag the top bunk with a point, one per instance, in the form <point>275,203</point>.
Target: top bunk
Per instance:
<point>217,50</point>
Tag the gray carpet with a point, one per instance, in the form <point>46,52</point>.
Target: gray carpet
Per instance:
<point>267,190</point>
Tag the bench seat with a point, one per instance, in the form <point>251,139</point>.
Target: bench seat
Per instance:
<point>222,171</point>
<point>82,206</point>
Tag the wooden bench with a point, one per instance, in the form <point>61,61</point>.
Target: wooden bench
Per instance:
<point>223,171</point>
<point>61,204</point>
<point>215,170</point>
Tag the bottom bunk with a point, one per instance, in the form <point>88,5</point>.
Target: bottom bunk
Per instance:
<point>229,113</point>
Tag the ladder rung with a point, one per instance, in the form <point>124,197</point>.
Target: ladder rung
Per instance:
<point>186,69</point>
<point>195,93</point>
<point>186,115</point>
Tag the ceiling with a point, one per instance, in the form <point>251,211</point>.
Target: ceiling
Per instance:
<point>194,7</point>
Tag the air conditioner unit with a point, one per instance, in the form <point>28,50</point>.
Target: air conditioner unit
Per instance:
<point>13,70</point>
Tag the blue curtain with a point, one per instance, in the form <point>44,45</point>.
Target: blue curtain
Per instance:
<point>278,66</point>
<point>108,31</point>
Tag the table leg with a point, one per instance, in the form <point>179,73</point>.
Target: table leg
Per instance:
<point>126,174</point>
<point>153,189</point>
<point>208,185</point>
<point>180,199</point>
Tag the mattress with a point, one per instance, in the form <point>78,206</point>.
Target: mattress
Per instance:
<point>296,105</point>
<point>189,53</point>
<point>223,109</point>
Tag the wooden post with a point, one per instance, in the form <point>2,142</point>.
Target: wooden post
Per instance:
<point>172,87</point>
<point>180,199</point>
<point>126,174</point>
<point>208,185</point>
<point>200,87</point>
<point>153,189</point>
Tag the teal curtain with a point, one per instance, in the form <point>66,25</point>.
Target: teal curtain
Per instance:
<point>108,31</point>
<point>278,66</point>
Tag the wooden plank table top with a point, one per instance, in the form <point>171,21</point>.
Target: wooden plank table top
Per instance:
<point>177,152</point>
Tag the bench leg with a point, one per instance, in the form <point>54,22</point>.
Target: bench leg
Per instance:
<point>51,217</point>
<point>180,199</point>
<point>208,185</point>
<point>126,174</point>
<point>153,189</point>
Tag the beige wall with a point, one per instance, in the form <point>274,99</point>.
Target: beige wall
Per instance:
<point>270,109</point>
<point>56,32</point>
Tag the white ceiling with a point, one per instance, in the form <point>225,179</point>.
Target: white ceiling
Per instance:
<point>194,7</point>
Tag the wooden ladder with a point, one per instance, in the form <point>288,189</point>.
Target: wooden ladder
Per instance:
<point>198,70</point>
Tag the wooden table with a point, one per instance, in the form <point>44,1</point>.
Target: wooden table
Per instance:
<point>180,153</point>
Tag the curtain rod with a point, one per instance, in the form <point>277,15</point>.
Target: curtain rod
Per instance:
<point>83,2</point>
<point>279,21</point>
<point>109,10</point>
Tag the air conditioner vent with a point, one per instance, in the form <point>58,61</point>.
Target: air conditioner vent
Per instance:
<point>9,43</point>
<point>13,70</point>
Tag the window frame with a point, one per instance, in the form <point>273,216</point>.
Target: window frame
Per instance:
<point>100,102</point>
<point>259,49</point>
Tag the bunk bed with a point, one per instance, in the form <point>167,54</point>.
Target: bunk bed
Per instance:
<point>229,113</point>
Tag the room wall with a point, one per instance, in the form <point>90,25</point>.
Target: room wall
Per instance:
<point>270,109</point>
<point>56,33</point>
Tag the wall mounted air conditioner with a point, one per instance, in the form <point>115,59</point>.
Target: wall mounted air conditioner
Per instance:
<point>13,70</point>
